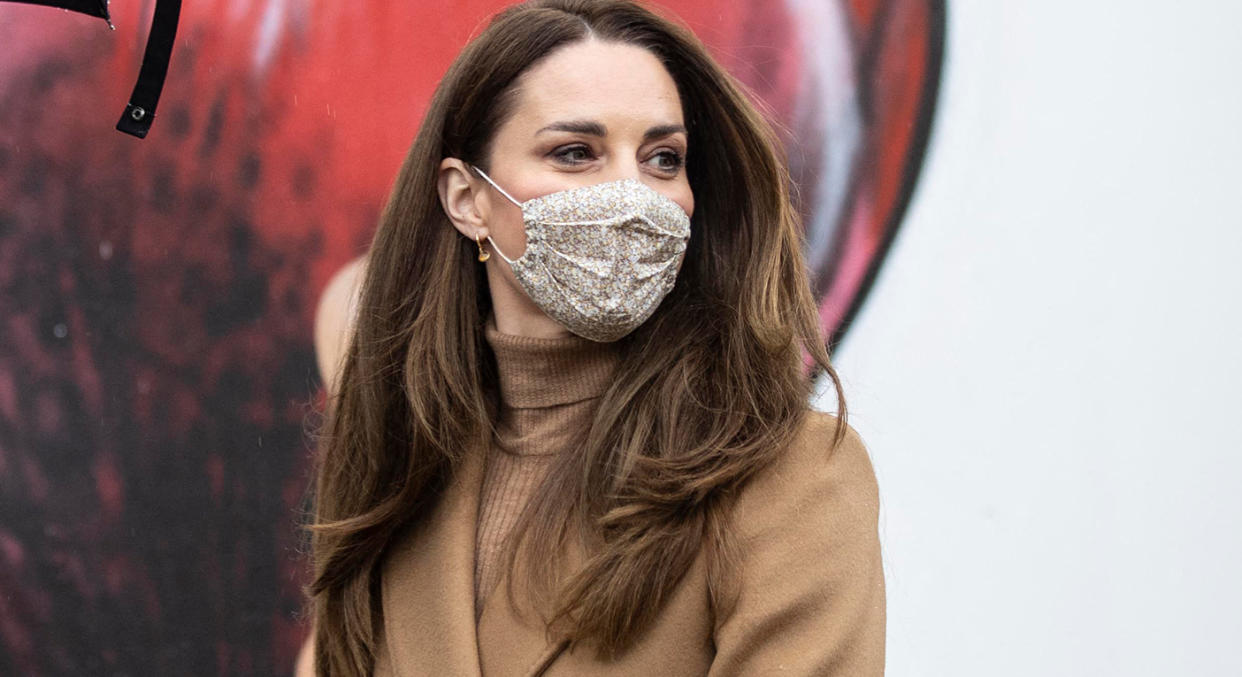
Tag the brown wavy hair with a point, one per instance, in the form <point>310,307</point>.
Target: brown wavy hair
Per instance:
<point>708,391</point>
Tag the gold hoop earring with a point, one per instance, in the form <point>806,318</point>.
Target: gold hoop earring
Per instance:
<point>483,256</point>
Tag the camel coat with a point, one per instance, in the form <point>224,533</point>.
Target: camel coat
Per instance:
<point>810,585</point>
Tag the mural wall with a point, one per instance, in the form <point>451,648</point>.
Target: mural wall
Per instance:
<point>157,378</point>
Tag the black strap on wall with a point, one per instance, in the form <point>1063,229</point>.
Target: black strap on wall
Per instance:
<point>97,8</point>
<point>140,111</point>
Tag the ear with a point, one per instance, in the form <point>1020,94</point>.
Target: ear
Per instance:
<point>463,198</point>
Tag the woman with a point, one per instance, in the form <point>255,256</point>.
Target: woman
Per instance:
<point>590,453</point>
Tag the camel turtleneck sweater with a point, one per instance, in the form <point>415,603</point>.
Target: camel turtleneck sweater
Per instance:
<point>549,388</point>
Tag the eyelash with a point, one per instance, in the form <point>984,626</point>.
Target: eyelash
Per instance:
<point>561,153</point>
<point>678,159</point>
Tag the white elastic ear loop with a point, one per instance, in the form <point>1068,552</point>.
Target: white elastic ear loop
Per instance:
<point>502,192</point>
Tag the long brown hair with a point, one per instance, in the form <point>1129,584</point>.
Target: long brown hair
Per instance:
<point>708,391</point>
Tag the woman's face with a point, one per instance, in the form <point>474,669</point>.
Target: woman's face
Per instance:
<point>590,112</point>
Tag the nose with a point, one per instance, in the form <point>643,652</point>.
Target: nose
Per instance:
<point>624,166</point>
<point>623,174</point>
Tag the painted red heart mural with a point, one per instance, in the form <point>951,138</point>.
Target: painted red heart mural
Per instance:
<point>156,296</point>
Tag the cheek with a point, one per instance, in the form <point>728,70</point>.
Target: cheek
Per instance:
<point>506,228</point>
<point>684,198</point>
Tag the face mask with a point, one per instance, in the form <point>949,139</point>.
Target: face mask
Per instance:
<point>599,259</point>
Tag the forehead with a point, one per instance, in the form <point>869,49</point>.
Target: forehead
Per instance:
<point>616,84</point>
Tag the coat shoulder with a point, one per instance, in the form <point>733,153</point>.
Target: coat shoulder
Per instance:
<point>806,594</point>
<point>816,472</point>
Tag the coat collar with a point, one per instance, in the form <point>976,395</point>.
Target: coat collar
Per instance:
<point>428,598</point>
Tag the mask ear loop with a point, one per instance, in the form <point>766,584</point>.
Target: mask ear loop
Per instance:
<point>507,195</point>
<point>502,190</point>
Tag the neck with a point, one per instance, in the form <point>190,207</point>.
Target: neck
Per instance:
<point>512,310</point>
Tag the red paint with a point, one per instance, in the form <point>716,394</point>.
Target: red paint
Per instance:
<point>110,486</point>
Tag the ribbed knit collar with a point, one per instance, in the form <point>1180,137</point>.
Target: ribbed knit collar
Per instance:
<point>544,372</point>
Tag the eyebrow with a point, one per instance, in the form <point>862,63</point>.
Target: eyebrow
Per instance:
<point>592,128</point>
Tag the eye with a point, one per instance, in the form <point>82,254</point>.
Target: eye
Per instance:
<point>668,160</point>
<point>573,155</point>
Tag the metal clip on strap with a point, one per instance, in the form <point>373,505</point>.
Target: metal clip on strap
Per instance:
<point>140,111</point>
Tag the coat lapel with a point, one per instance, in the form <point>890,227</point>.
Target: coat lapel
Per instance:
<point>428,586</point>
<point>512,641</point>
<point>428,599</point>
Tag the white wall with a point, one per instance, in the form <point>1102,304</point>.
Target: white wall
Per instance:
<point>1047,372</point>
